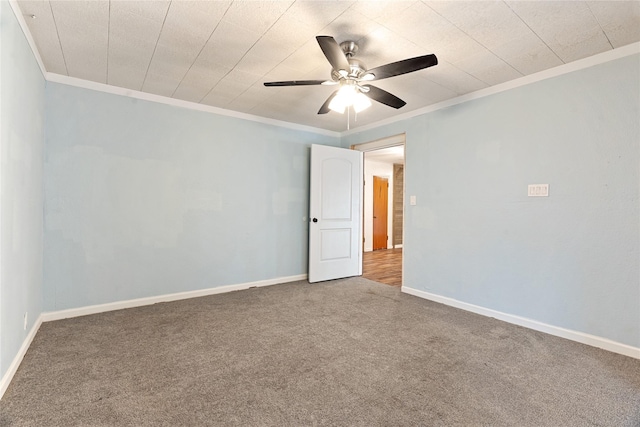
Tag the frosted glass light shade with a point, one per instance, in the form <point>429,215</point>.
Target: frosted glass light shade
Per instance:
<point>347,96</point>
<point>361,102</point>
<point>337,104</point>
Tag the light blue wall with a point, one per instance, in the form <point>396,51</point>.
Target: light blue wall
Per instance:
<point>145,199</point>
<point>570,260</point>
<point>21,199</point>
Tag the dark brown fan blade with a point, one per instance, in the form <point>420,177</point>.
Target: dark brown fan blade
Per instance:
<point>295,83</point>
<point>325,107</point>
<point>403,67</point>
<point>334,54</point>
<point>384,97</point>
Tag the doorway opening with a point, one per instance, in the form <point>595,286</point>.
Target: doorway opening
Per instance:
<point>383,209</point>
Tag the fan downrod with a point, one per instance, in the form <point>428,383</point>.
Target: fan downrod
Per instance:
<point>349,48</point>
<point>356,68</point>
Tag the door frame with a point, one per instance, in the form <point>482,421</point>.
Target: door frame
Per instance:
<point>378,144</point>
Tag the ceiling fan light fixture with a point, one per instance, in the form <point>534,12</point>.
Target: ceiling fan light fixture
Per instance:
<point>347,96</point>
<point>340,101</point>
<point>368,77</point>
<point>343,99</point>
<point>337,105</point>
<point>361,102</point>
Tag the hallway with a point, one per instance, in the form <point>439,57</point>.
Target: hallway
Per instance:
<point>384,266</point>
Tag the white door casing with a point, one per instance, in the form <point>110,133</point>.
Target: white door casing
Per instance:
<point>335,213</point>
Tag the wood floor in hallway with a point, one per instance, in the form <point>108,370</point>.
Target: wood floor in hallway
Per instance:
<point>384,266</point>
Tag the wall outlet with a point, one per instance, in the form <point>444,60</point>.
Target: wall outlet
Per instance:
<point>25,320</point>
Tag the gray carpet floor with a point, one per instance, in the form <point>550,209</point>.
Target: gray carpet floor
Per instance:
<point>349,352</point>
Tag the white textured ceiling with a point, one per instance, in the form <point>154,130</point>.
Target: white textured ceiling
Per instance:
<point>219,53</point>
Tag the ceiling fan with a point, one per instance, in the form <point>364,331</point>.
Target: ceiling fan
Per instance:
<point>352,74</point>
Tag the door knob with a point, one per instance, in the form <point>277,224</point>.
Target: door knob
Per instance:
<point>315,220</point>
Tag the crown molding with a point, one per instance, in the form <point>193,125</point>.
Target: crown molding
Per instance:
<point>130,93</point>
<point>27,34</point>
<point>600,58</point>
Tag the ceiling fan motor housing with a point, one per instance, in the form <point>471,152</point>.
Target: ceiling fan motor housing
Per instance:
<point>357,70</point>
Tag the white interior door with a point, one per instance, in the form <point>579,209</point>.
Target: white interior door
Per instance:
<point>335,234</point>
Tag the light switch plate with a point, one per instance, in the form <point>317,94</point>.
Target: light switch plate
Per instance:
<point>538,190</point>
<point>412,200</point>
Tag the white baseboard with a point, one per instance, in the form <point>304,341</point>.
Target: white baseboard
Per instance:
<point>101,308</point>
<point>8,376</point>
<point>580,337</point>
<point>139,302</point>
